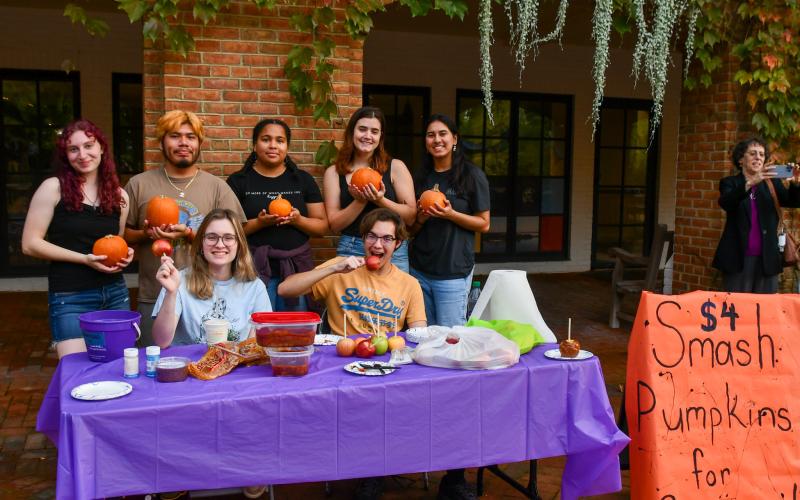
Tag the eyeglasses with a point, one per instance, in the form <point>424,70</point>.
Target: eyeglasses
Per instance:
<point>213,239</point>
<point>387,240</point>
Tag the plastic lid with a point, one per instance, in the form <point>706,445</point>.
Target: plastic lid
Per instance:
<point>172,362</point>
<point>131,352</point>
<point>282,318</point>
<point>153,350</point>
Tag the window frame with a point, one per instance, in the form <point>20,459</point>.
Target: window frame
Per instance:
<point>514,140</point>
<point>397,91</point>
<point>38,76</point>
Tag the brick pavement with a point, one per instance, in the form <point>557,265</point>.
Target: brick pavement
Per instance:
<point>28,459</point>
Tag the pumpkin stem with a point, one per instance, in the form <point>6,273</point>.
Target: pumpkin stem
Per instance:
<point>436,188</point>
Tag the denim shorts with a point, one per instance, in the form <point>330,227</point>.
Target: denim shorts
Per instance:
<point>445,300</point>
<point>65,307</point>
<point>353,245</point>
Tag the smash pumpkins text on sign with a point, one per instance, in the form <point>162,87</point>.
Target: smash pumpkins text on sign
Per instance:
<point>713,396</point>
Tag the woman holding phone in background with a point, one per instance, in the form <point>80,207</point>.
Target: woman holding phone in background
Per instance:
<point>749,255</point>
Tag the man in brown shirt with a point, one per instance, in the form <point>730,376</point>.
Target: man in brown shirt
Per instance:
<point>197,192</point>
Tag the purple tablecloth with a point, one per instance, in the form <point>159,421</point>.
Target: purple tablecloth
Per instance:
<point>249,427</point>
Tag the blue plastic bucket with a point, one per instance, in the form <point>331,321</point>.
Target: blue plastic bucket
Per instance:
<point>108,333</point>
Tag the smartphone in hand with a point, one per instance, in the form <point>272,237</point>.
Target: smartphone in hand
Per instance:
<point>784,171</point>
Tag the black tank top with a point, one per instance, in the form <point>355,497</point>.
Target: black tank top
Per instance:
<point>346,199</point>
<point>78,231</point>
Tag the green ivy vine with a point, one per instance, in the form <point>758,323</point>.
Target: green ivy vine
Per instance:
<point>763,34</point>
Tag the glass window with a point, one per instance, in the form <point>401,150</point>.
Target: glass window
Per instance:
<point>35,106</point>
<point>128,116</point>
<point>406,110</point>
<point>625,163</point>
<point>526,156</point>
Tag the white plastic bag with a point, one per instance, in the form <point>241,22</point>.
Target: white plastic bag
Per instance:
<point>467,348</point>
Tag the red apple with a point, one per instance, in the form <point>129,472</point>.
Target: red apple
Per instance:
<point>345,347</point>
<point>373,262</point>
<point>161,247</point>
<point>365,349</point>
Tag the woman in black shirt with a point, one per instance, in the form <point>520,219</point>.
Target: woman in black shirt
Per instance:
<point>68,213</point>
<point>279,244</point>
<point>442,255</point>
<point>346,204</point>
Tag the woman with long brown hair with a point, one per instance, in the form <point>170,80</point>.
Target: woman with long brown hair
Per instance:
<point>347,204</point>
<point>67,214</point>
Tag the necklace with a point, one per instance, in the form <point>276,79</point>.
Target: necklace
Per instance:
<point>93,201</point>
<point>181,192</point>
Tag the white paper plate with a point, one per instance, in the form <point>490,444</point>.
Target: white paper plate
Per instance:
<point>556,354</point>
<point>327,339</point>
<point>98,391</point>
<point>354,368</point>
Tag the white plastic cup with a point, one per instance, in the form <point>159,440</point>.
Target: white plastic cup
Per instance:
<point>216,330</point>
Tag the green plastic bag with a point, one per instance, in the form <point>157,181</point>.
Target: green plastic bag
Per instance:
<point>523,334</point>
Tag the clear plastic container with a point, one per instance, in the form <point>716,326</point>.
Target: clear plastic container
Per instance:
<point>290,361</point>
<point>285,329</point>
<point>172,369</point>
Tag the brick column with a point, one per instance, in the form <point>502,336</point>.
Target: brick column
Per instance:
<point>709,128</point>
<point>234,77</point>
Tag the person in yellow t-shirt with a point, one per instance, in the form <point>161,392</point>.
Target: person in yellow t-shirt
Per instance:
<point>381,300</point>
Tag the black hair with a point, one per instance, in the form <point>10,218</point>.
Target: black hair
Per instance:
<point>741,148</point>
<point>253,157</point>
<point>459,177</point>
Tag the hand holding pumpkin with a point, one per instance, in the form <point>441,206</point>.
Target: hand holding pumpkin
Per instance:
<point>289,219</point>
<point>110,254</point>
<point>443,212</point>
<point>372,194</point>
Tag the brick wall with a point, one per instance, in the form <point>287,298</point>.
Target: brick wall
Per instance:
<point>712,121</point>
<point>709,127</point>
<point>234,78</point>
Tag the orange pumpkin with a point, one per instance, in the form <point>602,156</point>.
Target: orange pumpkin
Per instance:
<point>364,176</point>
<point>280,206</point>
<point>162,210</point>
<point>113,247</point>
<point>432,197</point>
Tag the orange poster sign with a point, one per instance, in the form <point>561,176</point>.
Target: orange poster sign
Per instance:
<point>713,396</point>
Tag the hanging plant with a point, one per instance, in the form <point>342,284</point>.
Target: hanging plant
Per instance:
<point>486,40</point>
<point>524,30</point>
<point>561,21</point>
<point>601,34</point>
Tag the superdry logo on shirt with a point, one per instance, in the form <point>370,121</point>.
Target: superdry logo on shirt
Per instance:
<point>353,300</point>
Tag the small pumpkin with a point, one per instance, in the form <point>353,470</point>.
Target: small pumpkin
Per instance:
<point>365,176</point>
<point>162,210</point>
<point>280,206</point>
<point>113,247</point>
<point>432,197</point>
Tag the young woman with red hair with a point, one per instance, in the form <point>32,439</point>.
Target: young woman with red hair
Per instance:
<point>67,214</point>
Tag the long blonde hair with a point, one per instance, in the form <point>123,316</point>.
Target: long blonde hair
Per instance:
<point>198,280</point>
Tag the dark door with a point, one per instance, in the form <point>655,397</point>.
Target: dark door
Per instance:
<point>625,180</point>
<point>35,105</point>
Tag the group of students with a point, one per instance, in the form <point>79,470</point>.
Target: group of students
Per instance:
<point>230,254</point>
<point>232,258</point>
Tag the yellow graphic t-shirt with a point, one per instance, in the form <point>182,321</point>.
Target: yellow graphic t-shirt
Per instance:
<point>371,303</point>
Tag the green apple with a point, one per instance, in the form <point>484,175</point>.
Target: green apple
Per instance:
<point>381,344</point>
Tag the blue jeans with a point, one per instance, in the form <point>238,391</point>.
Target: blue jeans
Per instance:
<point>65,307</point>
<point>445,300</point>
<point>352,245</point>
<point>276,301</point>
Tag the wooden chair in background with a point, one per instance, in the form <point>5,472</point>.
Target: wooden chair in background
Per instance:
<point>660,251</point>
